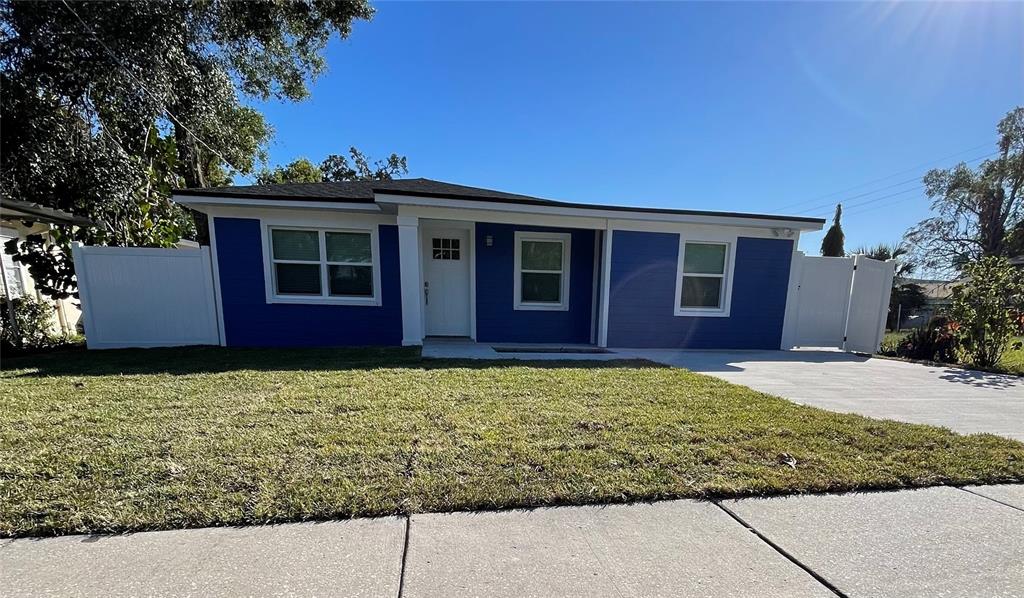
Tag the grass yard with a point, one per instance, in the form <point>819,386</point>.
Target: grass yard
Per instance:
<point>168,438</point>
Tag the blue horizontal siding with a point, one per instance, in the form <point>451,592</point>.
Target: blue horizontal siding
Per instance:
<point>496,318</point>
<point>643,286</point>
<point>249,321</point>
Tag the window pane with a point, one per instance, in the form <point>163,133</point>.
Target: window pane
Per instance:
<point>349,247</point>
<point>541,288</point>
<point>542,255</point>
<point>351,280</point>
<point>701,291</point>
<point>296,245</point>
<point>298,279</point>
<point>704,258</point>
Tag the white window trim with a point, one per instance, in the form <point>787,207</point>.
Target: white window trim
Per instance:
<point>325,298</point>
<point>566,240</point>
<point>730,262</point>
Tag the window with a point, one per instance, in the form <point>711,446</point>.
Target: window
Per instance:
<point>542,271</point>
<point>703,287</point>
<point>332,266</point>
<point>445,249</point>
<point>12,269</point>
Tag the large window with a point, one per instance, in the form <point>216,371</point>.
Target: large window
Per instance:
<point>542,271</point>
<point>323,265</point>
<point>703,284</point>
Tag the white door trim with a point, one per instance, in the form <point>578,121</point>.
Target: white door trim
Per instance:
<point>427,227</point>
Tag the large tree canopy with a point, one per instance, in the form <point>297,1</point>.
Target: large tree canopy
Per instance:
<point>336,168</point>
<point>108,105</point>
<point>976,209</point>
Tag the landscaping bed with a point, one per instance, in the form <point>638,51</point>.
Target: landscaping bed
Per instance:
<point>1011,363</point>
<point>168,438</point>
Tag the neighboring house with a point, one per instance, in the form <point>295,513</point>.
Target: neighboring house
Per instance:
<point>939,296</point>
<point>19,219</point>
<point>390,263</point>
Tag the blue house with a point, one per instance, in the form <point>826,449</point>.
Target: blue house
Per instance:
<point>395,262</point>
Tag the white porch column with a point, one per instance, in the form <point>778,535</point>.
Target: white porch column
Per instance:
<point>412,280</point>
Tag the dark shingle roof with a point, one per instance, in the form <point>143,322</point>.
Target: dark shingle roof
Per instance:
<point>363,192</point>
<point>358,191</point>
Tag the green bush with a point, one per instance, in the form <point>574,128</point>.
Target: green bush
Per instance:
<point>32,325</point>
<point>934,342</point>
<point>988,308</point>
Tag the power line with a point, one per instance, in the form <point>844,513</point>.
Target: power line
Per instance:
<point>891,186</point>
<point>871,182</point>
<point>128,71</point>
<point>847,208</point>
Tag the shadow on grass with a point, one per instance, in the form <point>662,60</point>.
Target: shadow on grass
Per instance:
<point>180,361</point>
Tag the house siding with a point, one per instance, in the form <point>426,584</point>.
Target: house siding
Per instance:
<point>249,321</point>
<point>496,318</point>
<point>642,296</point>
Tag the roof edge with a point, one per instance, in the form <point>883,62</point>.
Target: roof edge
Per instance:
<point>584,206</point>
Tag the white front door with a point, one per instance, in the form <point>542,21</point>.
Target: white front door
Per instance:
<point>446,281</point>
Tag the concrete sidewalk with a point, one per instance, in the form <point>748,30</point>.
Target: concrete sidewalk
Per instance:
<point>936,541</point>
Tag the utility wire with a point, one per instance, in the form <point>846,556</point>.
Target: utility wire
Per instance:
<point>128,71</point>
<point>893,185</point>
<point>871,182</point>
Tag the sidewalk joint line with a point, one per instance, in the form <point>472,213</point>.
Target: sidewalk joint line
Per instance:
<point>995,500</point>
<point>817,576</point>
<point>405,555</point>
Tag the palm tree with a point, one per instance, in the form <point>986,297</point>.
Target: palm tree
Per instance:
<point>884,252</point>
<point>909,295</point>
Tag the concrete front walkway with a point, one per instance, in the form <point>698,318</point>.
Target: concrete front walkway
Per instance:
<point>965,401</point>
<point>936,541</point>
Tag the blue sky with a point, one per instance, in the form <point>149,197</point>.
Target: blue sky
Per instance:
<point>741,107</point>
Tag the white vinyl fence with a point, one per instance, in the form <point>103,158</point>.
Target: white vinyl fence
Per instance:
<point>139,297</point>
<point>840,302</point>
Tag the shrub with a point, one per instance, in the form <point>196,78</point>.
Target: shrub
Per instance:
<point>31,322</point>
<point>937,341</point>
<point>989,309</point>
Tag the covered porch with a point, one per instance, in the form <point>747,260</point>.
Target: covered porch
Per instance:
<point>499,278</point>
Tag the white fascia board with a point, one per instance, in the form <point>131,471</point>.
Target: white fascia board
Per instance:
<point>313,217</point>
<point>523,218</point>
<point>201,201</point>
<point>487,206</point>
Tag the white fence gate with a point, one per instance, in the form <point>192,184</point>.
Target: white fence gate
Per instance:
<point>140,297</point>
<point>840,302</point>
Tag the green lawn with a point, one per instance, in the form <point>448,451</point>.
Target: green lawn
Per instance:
<point>1011,363</point>
<point>149,439</point>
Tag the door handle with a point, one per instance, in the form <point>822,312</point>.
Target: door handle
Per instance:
<point>426,292</point>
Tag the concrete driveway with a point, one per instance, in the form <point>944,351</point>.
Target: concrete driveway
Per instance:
<point>963,400</point>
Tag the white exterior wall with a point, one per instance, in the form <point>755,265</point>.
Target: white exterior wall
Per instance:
<point>66,313</point>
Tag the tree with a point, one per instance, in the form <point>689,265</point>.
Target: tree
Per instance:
<point>988,309</point>
<point>336,168</point>
<point>298,171</point>
<point>832,243</point>
<point>106,106</point>
<point>906,294</point>
<point>975,208</point>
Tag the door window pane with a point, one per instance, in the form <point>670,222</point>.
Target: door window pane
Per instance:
<point>704,258</point>
<point>351,280</point>
<point>349,247</point>
<point>701,291</point>
<point>296,245</point>
<point>541,288</point>
<point>298,279</point>
<point>541,255</point>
